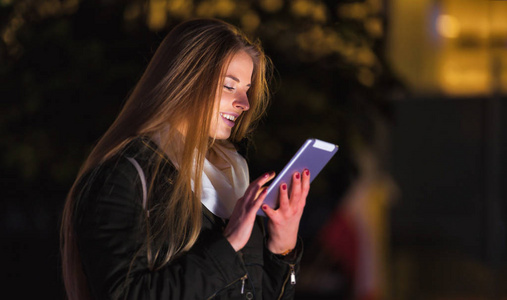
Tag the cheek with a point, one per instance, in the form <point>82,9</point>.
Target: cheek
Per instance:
<point>226,100</point>
<point>217,105</point>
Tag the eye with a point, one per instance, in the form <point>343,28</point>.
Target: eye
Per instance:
<point>229,88</point>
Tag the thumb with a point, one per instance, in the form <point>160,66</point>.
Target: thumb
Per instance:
<point>270,213</point>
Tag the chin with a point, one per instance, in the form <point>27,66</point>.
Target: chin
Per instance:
<point>221,135</point>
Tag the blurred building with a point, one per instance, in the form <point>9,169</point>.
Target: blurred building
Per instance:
<point>450,47</point>
<point>449,147</point>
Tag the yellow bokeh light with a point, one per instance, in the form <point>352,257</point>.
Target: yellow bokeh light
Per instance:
<point>250,21</point>
<point>180,8</point>
<point>321,41</point>
<point>271,5</point>
<point>448,26</point>
<point>365,57</point>
<point>374,27</point>
<point>216,8</point>
<point>205,9</point>
<point>466,74</point>
<point>224,8</point>
<point>309,9</point>
<point>356,11</point>
<point>301,8</point>
<point>319,13</point>
<point>157,14</point>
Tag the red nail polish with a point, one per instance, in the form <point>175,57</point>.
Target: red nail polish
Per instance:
<point>264,207</point>
<point>307,172</point>
<point>297,175</point>
<point>284,186</point>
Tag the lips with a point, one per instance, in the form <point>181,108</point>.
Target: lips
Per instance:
<point>229,118</point>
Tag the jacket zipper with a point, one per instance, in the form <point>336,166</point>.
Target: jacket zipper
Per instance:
<point>243,284</point>
<point>243,279</point>
<point>292,276</point>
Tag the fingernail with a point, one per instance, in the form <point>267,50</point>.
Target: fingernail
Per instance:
<point>297,175</point>
<point>284,186</point>
<point>307,172</point>
<point>264,207</point>
<point>266,175</point>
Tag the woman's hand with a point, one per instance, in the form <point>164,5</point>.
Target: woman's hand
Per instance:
<point>241,222</point>
<point>283,224</point>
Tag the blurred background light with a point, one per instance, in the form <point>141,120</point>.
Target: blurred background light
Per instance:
<point>448,26</point>
<point>271,5</point>
<point>157,14</point>
<point>461,60</point>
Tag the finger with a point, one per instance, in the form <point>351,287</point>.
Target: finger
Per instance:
<point>270,213</point>
<point>305,184</point>
<point>262,189</point>
<point>253,188</point>
<point>283,196</point>
<point>264,178</point>
<point>259,200</point>
<point>255,205</point>
<point>295,192</point>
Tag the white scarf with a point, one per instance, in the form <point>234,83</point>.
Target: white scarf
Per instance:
<point>224,178</point>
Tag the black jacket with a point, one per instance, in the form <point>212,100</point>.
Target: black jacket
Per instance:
<point>108,225</point>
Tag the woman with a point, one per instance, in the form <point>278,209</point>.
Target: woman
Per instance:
<point>163,208</point>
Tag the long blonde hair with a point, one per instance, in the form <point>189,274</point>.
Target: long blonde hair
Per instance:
<point>178,88</point>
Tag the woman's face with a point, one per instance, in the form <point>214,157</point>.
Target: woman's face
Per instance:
<point>234,100</point>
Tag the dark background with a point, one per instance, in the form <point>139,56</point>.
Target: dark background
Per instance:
<point>66,67</point>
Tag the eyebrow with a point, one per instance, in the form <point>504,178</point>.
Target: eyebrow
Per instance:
<point>235,79</point>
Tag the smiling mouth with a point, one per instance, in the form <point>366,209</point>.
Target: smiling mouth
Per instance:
<point>228,117</point>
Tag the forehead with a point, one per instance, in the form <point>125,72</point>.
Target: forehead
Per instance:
<point>240,66</point>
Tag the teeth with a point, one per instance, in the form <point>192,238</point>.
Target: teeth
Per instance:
<point>228,117</point>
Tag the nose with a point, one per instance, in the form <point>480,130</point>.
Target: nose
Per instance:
<point>241,102</point>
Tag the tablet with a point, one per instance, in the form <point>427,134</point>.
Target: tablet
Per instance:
<point>313,155</point>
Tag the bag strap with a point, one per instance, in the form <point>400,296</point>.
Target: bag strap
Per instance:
<point>143,181</point>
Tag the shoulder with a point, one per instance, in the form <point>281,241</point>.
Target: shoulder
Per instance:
<point>117,182</point>
<point>145,152</point>
<point>116,178</point>
<point>120,173</point>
